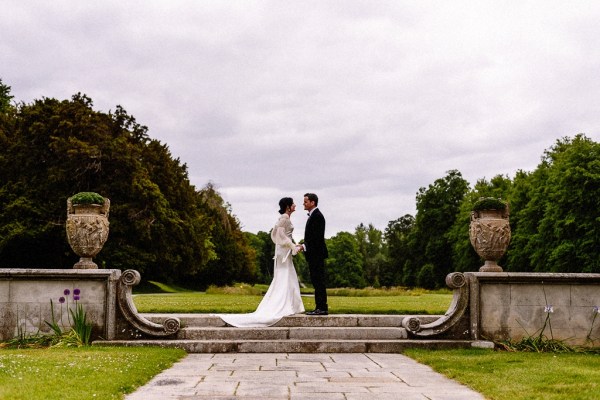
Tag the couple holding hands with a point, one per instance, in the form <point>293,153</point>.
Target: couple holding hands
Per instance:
<point>283,296</point>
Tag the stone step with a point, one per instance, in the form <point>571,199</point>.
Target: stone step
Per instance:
<point>299,320</point>
<point>299,346</point>
<point>298,333</point>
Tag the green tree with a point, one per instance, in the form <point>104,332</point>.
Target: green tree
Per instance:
<point>264,248</point>
<point>160,224</point>
<point>526,210</point>
<point>437,209</point>
<point>372,250</point>
<point>344,265</point>
<point>5,98</point>
<point>398,268</point>
<point>235,257</point>
<point>568,234</point>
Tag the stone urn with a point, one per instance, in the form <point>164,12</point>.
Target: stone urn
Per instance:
<point>490,232</point>
<point>87,227</point>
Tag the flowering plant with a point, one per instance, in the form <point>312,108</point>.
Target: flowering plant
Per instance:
<point>80,330</point>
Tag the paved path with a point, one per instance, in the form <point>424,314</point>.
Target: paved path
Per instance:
<point>237,376</point>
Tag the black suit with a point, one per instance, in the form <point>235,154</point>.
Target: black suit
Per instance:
<point>316,253</point>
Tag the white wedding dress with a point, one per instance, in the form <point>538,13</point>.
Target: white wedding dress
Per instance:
<point>283,296</point>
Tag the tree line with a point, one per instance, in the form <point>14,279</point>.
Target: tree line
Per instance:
<point>554,219</point>
<point>160,224</point>
<point>164,227</point>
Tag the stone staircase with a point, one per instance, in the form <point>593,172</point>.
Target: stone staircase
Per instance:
<point>343,333</point>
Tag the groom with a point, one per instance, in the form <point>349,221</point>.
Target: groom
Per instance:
<point>315,252</point>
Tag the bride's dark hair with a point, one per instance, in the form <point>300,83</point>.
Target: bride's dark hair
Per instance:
<point>284,204</point>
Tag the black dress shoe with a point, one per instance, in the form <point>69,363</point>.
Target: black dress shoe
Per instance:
<point>317,312</point>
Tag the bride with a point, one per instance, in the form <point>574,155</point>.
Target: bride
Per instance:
<point>283,296</point>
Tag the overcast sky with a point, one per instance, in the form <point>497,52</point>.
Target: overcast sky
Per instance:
<point>361,102</point>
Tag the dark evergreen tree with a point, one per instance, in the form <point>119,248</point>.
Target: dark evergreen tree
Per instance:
<point>437,209</point>
<point>234,261</point>
<point>159,224</point>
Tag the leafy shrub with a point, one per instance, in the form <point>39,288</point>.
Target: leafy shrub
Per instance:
<point>489,203</point>
<point>87,198</point>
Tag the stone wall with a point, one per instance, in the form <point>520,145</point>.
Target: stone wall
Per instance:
<point>516,305</point>
<point>25,296</point>
<point>490,306</point>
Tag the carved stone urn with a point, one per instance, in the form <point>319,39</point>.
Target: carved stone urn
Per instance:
<point>490,232</point>
<point>87,227</point>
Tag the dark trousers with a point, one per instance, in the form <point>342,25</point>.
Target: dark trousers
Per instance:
<point>317,277</point>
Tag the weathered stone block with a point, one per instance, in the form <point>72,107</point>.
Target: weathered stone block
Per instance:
<point>25,296</point>
<point>540,294</point>
<point>572,298</point>
<point>4,292</point>
<point>585,295</point>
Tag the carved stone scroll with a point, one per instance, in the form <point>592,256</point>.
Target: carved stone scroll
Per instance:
<point>129,278</point>
<point>460,303</point>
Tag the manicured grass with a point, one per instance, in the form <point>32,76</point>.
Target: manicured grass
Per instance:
<point>79,373</point>
<point>519,376</point>
<point>200,302</point>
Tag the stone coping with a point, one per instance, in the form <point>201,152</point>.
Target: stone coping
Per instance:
<point>536,277</point>
<point>35,273</point>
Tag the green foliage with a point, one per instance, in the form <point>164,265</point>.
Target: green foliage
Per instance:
<point>372,252</point>
<point>555,220</point>
<point>437,211</point>
<point>344,266</point>
<point>160,224</point>
<point>426,278</point>
<point>80,329</point>
<point>87,198</point>
<point>81,326</point>
<point>264,248</point>
<point>169,231</point>
<point>5,97</point>
<point>489,203</point>
<point>235,257</point>
<point>397,270</point>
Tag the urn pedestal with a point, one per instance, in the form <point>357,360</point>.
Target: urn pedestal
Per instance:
<point>490,235</point>
<point>87,231</point>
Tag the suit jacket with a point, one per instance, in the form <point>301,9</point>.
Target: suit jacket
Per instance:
<point>314,237</point>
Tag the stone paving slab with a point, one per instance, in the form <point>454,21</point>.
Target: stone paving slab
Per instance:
<point>298,376</point>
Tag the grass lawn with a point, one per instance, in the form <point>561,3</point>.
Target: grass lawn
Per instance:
<point>201,302</point>
<point>515,376</point>
<point>79,373</point>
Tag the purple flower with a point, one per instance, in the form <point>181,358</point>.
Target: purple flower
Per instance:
<point>76,292</point>
<point>596,310</point>
<point>61,300</point>
<point>67,292</point>
<point>549,309</point>
<point>75,297</point>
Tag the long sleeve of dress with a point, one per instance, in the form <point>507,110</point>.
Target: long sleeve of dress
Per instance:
<point>281,234</point>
